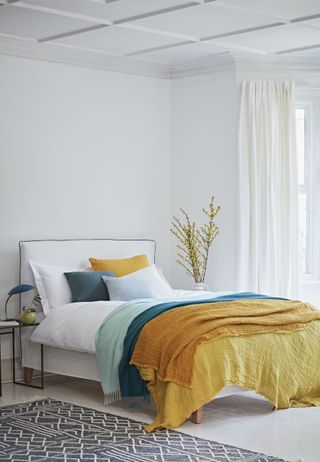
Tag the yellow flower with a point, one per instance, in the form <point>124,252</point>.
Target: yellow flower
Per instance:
<point>194,243</point>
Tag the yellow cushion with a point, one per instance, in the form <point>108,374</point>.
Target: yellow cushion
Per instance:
<point>120,267</point>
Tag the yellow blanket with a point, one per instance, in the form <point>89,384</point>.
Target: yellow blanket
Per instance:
<point>208,347</point>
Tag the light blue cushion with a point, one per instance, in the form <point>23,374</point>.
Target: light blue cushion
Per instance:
<point>121,289</point>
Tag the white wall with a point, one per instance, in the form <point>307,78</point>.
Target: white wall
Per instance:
<point>84,153</point>
<point>204,163</point>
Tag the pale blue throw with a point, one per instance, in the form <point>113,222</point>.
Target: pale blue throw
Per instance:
<point>109,343</point>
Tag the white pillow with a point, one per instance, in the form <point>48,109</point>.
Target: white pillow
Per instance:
<point>158,284</point>
<point>52,285</point>
<point>161,274</point>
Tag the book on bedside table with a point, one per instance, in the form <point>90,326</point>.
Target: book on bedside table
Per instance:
<point>9,323</point>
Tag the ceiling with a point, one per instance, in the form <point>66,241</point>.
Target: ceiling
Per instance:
<point>166,31</point>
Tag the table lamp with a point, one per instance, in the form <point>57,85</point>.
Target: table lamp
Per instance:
<point>20,289</point>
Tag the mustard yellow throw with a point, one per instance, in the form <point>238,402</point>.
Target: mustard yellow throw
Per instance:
<point>270,346</point>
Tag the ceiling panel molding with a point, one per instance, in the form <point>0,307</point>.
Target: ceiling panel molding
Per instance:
<point>64,13</point>
<point>207,20</point>
<point>164,47</point>
<point>183,37</point>
<point>51,38</point>
<point>299,49</point>
<point>306,18</point>
<point>64,55</point>
<point>117,40</point>
<point>237,6</point>
<point>242,31</point>
<point>55,9</point>
<point>183,52</point>
<point>286,10</point>
<point>23,22</point>
<point>156,12</point>
<point>279,38</point>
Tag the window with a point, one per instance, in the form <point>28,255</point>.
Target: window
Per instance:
<point>308,145</point>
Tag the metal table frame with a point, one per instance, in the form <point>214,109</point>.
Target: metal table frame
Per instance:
<point>10,330</point>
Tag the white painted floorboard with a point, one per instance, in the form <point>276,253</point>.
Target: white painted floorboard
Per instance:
<point>245,420</point>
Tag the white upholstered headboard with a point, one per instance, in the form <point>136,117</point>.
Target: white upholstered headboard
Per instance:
<point>75,253</point>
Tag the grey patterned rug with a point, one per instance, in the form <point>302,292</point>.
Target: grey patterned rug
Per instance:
<point>50,430</point>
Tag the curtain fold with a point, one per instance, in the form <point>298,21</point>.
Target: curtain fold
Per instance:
<point>268,189</point>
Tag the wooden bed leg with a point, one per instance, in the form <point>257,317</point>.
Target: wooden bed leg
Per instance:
<point>197,416</point>
<point>28,371</point>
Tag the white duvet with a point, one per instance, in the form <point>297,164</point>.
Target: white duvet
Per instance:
<point>73,326</point>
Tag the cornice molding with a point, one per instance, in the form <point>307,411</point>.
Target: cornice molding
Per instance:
<point>279,64</point>
<point>80,57</point>
<point>213,64</point>
<point>205,65</point>
<point>307,92</point>
<point>131,65</point>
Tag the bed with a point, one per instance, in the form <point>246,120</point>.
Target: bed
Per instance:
<point>79,361</point>
<point>216,343</point>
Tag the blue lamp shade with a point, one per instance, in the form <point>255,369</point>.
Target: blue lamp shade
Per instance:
<point>20,289</point>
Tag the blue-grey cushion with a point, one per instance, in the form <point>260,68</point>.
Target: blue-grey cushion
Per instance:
<point>87,286</point>
<point>122,289</point>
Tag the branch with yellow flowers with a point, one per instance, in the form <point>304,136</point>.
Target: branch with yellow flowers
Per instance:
<point>194,243</point>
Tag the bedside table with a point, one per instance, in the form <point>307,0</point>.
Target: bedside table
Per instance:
<point>10,330</point>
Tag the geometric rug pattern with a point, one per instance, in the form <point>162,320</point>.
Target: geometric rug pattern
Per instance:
<point>50,430</point>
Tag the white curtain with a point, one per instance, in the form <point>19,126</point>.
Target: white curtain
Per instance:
<point>268,189</point>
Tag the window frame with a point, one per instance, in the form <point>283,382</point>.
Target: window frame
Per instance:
<point>303,189</point>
